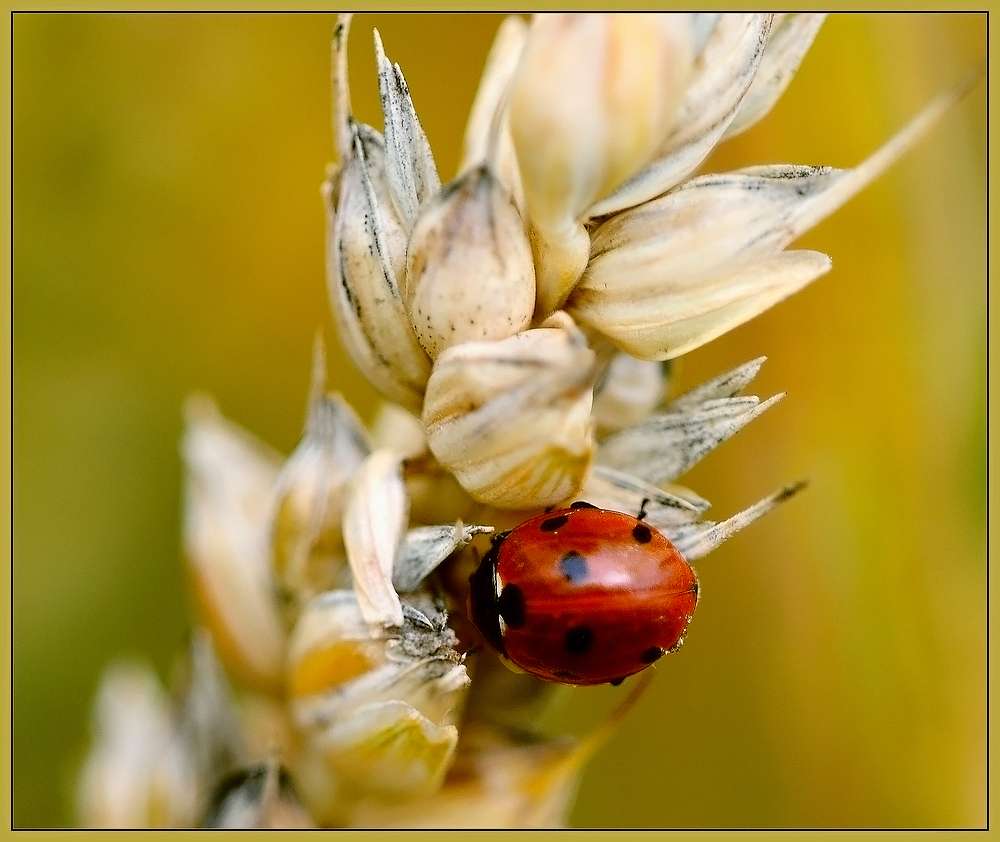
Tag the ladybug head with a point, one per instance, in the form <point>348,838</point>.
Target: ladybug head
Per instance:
<point>483,595</point>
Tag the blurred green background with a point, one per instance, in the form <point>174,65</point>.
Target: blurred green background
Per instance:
<point>168,236</point>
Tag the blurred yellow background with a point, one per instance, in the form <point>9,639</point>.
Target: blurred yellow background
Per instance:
<point>168,236</point>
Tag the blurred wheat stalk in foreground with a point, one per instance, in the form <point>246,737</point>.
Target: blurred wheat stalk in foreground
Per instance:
<point>516,320</point>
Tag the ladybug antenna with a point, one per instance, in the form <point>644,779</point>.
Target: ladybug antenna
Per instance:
<point>642,509</point>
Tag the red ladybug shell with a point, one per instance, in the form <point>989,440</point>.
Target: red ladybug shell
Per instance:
<point>583,595</point>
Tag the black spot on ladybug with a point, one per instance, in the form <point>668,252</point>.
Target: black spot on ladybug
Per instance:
<point>642,534</point>
<point>582,504</point>
<point>553,523</point>
<point>574,567</point>
<point>654,653</point>
<point>579,639</point>
<point>510,606</point>
<point>617,681</point>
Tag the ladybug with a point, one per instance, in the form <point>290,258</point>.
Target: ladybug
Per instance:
<point>583,595</point>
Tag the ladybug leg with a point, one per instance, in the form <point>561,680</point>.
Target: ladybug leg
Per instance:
<point>642,509</point>
<point>497,537</point>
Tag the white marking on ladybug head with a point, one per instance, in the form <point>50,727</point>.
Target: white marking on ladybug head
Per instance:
<point>498,589</point>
